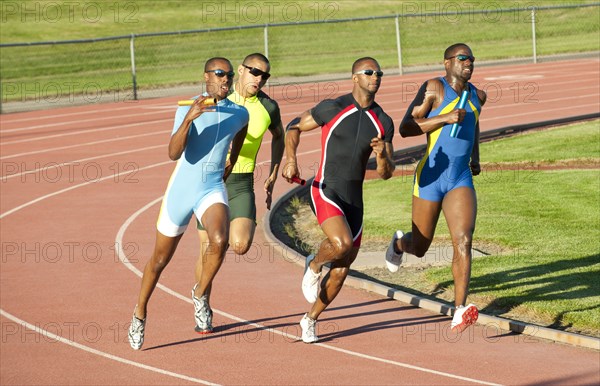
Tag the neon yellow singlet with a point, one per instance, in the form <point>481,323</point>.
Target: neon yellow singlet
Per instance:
<point>264,113</point>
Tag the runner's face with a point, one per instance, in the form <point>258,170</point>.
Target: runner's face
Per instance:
<point>218,86</point>
<point>250,84</point>
<point>369,83</point>
<point>456,67</point>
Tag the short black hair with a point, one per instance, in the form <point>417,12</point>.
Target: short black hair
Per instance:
<point>256,55</point>
<point>209,63</point>
<point>360,60</point>
<point>451,49</point>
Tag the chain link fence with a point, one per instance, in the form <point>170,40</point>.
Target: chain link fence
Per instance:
<point>151,65</point>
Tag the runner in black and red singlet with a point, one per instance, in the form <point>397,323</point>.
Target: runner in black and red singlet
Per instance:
<point>347,131</point>
<point>353,126</point>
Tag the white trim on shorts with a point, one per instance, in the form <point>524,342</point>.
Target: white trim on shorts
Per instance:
<point>217,197</point>
<point>165,226</point>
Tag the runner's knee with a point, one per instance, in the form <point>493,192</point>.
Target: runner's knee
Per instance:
<point>342,246</point>
<point>217,243</point>
<point>158,262</point>
<point>240,247</point>
<point>462,243</point>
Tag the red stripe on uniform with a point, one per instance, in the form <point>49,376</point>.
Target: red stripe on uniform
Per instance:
<point>323,208</point>
<point>377,122</point>
<point>325,131</point>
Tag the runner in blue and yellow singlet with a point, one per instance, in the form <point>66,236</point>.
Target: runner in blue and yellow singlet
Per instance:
<point>264,115</point>
<point>444,177</point>
<point>200,141</point>
<point>445,165</point>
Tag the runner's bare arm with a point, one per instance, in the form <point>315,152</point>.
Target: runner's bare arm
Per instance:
<point>428,98</point>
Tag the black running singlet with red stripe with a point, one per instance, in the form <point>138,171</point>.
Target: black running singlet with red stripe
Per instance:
<point>347,130</point>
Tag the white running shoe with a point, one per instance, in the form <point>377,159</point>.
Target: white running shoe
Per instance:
<point>310,282</point>
<point>392,258</point>
<point>308,326</point>
<point>136,332</point>
<point>464,317</point>
<point>202,313</point>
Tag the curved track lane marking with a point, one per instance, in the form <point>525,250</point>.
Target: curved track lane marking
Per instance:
<point>81,144</point>
<point>65,123</point>
<point>528,113</point>
<point>86,131</point>
<point>103,354</point>
<point>112,140</point>
<point>127,263</point>
<point>3,313</point>
<point>9,119</point>
<point>41,198</point>
<point>68,341</point>
<point>57,165</point>
<point>123,258</point>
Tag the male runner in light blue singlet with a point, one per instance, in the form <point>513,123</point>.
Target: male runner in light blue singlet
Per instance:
<point>200,141</point>
<point>253,74</point>
<point>444,177</point>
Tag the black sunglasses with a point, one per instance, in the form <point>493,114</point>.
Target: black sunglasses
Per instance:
<point>257,72</point>
<point>370,73</point>
<point>463,58</point>
<point>222,73</point>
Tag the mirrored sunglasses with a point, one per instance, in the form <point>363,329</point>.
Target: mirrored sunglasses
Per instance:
<point>370,73</point>
<point>463,58</point>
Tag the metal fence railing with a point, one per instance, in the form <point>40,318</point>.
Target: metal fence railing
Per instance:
<point>146,65</point>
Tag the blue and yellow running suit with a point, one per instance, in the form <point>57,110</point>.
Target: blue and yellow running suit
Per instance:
<point>445,165</point>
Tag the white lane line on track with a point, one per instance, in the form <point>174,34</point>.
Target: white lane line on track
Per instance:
<point>81,144</point>
<point>160,107</point>
<point>86,131</point>
<point>9,316</point>
<point>484,119</point>
<point>487,85</point>
<point>496,94</point>
<point>395,82</point>
<point>489,106</point>
<point>382,94</point>
<point>513,77</point>
<point>79,121</point>
<point>75,344</point>
<point>117,139</point>
<point>86,112</point>
<point>75,162</point>
<point>103,354</point>
<point>542,111</point>
<point>41,198</point>
<point>123,258</point>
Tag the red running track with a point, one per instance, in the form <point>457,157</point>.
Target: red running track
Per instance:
<point>81,188</point>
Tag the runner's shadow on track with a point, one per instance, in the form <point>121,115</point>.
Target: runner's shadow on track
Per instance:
<point>248,331</point>
<point>364,304</point>
<point>237,331</point>
<point>369,313</point>
<point>571,379</point>
<point>378,326</point>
